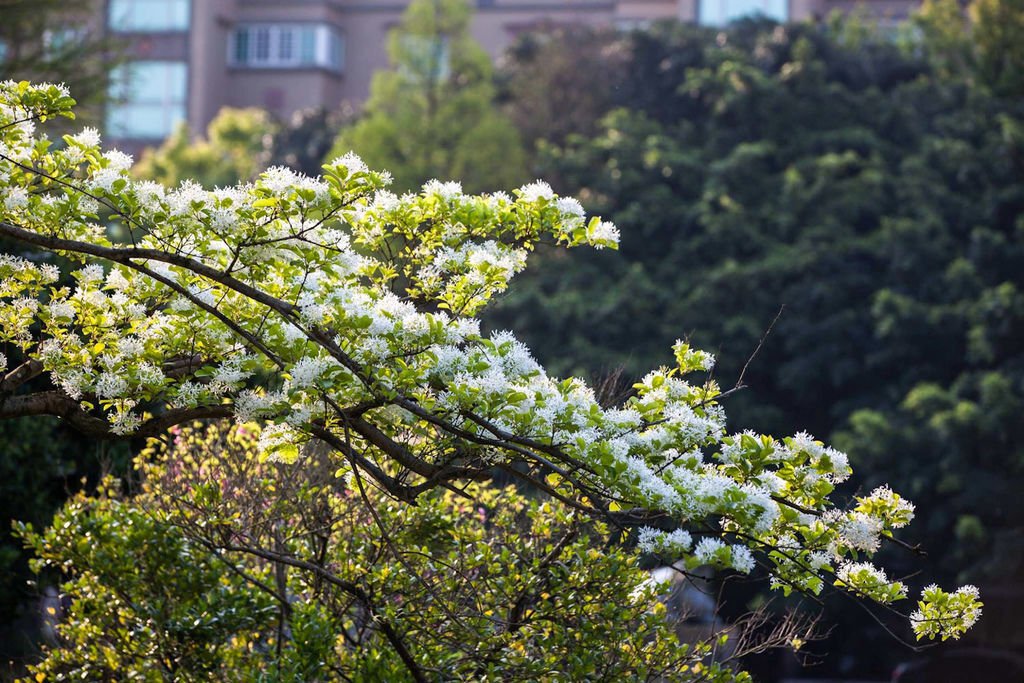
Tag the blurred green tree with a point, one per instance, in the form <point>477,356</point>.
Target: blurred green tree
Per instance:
<point>237,146</point>
<point>433,114</point>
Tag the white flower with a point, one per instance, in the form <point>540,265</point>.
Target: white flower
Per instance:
<point>104,179</point>
<point>180,200</point>
<point>802,441</point>
<point>278,179</point>
<point>149,192</point>
<point>741,559</point>
<point>569,207</point>
<point>118,161</point>
<point>16,198</point>
<point>312,312</point>
<point>125,422</point>
<point>446,191</point>
<point>61,310</point>
<point>498,199</point>
<point>385,201</point>
<point>839,464</point>
<point>602,233</point>
<point>861,532</point>
<point>49,272</point>
<point>648,539</point>
<point>150,374</point>
<point>656,541</point>
<point>536,191</point>
<point>293,333</point>
<point>373,349</point>
<point>88,137</point>
<point>188,396</point>
<point>274,437</point>
<point>898,511</point>
<point>231,372</point>
<point>91,273</point>
<point>351,162</point>
<point>707,549</point>
<point>307,371</point>
<point>117,280</point>
<point>818,560</point>
<point>109,385</point>
<point>869,579</point>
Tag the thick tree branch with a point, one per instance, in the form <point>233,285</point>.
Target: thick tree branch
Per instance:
<point>28,370</point>
<point>58,404</point>
<point>125,255</point>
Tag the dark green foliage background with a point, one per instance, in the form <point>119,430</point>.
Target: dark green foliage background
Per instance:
<point>831,170</point>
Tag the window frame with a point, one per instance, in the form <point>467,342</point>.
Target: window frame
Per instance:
<point>288,45</point>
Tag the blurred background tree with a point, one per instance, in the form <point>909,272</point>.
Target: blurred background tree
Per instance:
<point>237,147</point>
<point>57,41</point>
<point>982,42</point>
<point>548,81</point>
<point>433,114</point>
<point>241,143</point>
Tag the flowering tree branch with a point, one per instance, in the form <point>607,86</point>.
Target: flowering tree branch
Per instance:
<point>332,309</point>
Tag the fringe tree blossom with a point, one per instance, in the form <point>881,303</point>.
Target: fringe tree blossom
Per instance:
<point>343,313</point>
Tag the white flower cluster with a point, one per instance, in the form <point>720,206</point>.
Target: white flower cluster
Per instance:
<point>861,532</point>
<point>664,543</point>
<point>866,578</point>
<point>946,615</point>
<point>446,191</point>
<point>537,191</point>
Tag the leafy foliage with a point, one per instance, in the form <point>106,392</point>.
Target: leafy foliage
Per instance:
<point>981,45</point>
<point>488,584</point>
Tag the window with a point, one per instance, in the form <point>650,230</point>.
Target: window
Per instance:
<point>721,12</point>
<point>283,46</point>
<point>148,99</point>
<point>149,15</point>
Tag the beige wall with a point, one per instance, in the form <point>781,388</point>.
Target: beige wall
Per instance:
<point>281,91</point>
<point>366,34</point>
<point>208,75</point>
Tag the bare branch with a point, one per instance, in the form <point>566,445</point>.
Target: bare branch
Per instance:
<point>352,589</point>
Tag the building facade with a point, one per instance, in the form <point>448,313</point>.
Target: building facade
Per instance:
<point>190,58</point>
